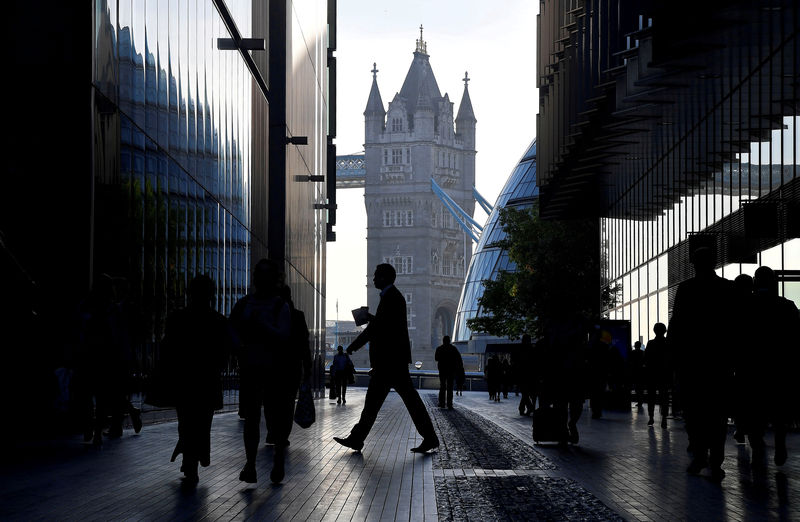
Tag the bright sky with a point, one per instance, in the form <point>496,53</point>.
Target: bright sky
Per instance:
<point>494,41</point>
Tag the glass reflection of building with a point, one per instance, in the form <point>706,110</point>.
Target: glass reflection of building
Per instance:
<point>489,259</point>
<point>182,150</point>
<point>675,131</point>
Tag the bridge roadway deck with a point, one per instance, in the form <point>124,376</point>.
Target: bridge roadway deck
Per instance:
<point>486,468</point>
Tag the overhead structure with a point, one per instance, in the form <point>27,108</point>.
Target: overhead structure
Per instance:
<point>351,171</point>
<point>461,216</point>
<point>676,125</point>
<point>482,201</point>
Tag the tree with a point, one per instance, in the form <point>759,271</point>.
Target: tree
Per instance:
<point>557,275</point>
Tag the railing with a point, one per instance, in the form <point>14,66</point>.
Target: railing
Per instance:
<point>422,379</point>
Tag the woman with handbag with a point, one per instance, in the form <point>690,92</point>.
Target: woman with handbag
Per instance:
<point>196,347</point>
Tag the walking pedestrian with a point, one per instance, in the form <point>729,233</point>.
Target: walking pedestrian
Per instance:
<point>447,357</point>
<point>262,323</point>
<point>390,355</point>
<point>658,369</point>
<point>700,337</point>
<point>493,373</point>
<point>196,346</point>
<point>635,368</point>
<point>774,390</point>
<point>342,371</point>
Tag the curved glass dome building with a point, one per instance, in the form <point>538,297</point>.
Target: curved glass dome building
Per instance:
<point>519,191</point>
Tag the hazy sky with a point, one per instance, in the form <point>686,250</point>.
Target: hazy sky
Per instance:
<point>494,41</point>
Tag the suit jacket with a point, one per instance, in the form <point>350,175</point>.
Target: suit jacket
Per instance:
<point>387,334</point>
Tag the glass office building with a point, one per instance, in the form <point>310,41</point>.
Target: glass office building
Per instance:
<point>203,150</point>
<point>489,259</point>
<point>677,126</point>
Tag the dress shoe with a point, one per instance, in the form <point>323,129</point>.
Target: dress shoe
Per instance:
<point>717,474</point>
<point>349,442</point>
<point>738,436</point>
<point>427,445</point>
<point>191,479</point>
<point>664,422</point>
<point>248,473</point>
<point>650,422</point>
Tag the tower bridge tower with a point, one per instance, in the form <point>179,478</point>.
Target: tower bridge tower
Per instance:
<point>415,140</point>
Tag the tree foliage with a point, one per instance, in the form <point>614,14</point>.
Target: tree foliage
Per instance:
<point>557,275</point>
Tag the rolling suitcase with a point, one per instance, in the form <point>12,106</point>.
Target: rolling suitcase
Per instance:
<point>548,426</point>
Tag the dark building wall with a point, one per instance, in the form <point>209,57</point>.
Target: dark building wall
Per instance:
<point>46,194</point>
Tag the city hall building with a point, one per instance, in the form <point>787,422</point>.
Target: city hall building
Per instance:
<point>676,125</point>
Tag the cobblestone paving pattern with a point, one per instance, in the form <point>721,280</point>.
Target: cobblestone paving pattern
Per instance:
<point>470,441</point>
<point>485,473</point>
<point>517,498</point>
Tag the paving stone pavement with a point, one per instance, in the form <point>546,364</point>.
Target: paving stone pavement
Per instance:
<point>471,441</point>
<point>479,472</point>
<point>517,498</point>
<point>620,466</point>
<point>639,471</point>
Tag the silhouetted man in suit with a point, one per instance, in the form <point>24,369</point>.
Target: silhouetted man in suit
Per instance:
<point>772,372</point>
<point>389,355</point>
<point>700,336</point>
<point>448,357</point>
<point>658,369</point>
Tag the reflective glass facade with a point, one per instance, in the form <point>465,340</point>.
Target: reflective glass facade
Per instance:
<point>647,258</point>
<point>675,131</point>
<point>489,259</point>
<point>183,157</point>
<point>173,136</point>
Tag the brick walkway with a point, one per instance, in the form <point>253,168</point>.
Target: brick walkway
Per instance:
<point>487,467</point>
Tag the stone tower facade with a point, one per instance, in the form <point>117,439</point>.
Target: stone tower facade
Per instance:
<point>415,140</point>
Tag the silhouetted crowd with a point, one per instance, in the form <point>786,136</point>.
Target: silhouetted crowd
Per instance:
<point>730,353</point>
<point>268,337</point>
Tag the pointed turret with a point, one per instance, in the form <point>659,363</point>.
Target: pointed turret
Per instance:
<point>374,114</point>
<point>465,109</point>
<point>420,81</point>
<point>465,120</point>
